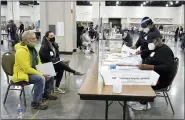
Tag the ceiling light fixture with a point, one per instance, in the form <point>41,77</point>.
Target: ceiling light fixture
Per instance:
<point>117,2</point>
<point>144,3</point>
<point>91,3</point>
<point>171,3</point>
<point>141,5</point>
<point>177,2</point>
<point>166,5</point>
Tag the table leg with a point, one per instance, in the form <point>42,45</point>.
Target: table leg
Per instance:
<point>106,110</point>
<point>124,110</point>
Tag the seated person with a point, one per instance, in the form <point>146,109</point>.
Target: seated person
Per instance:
<point>49,52</point>
<point>87,41</point>
<point>127,38</point>
<point>26,58</point>
<point>161,60</point>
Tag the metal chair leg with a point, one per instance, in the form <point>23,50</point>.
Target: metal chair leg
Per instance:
<point>20,94</point>
<point>6,93</point>
<point>165,98</point>
<point>170,103</point>
<point>24,96</point>
<point>32,89</point>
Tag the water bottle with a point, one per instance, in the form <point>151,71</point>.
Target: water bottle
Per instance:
<point>19,111</point>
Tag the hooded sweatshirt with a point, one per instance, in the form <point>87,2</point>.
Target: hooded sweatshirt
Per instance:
<point>23,64</point>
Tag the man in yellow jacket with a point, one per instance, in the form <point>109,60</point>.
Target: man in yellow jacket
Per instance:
<point>26,58</point>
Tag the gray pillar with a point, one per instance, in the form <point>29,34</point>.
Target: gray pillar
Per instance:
<point>53,12</point>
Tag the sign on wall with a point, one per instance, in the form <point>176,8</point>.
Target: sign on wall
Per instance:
<point>60,29</point>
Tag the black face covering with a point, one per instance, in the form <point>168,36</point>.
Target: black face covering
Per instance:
<point>52,39</point>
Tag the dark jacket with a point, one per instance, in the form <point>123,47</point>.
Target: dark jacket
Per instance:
<point>13,28</point>
<point>142,43</point>
<point>128,39</point>
<point>163,61</point>
<point>46,49</point>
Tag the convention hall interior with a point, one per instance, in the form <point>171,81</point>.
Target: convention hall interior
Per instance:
<point>92,59</point>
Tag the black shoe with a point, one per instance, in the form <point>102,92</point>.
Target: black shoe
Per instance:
<point>39,106</point>
<point>50,97</point>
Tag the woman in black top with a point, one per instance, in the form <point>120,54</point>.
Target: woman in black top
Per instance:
<point>49,52</point>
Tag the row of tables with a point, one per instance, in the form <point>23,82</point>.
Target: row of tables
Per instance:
<point>94,88</point>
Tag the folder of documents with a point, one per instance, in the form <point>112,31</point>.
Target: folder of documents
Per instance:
<point>46,68</point>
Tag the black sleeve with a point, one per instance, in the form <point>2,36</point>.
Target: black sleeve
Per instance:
<point>45,55</point>
<point>138,43</point>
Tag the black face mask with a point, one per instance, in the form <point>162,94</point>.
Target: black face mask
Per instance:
<point>52,39</point>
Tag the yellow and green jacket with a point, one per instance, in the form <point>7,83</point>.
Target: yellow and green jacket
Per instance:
<point>23,63</point>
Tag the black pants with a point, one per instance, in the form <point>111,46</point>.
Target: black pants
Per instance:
<point>59,68</point>
<point>176,36</point>
<point>79,41</point>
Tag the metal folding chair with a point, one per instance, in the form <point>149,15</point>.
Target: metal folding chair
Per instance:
<point>166,90</point>
<point>8,61</point>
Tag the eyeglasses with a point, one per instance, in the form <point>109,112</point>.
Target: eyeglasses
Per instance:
<point>32,39</point>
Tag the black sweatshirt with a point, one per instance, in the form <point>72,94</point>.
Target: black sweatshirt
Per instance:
<point>146,52</point>
<point>163,61</point>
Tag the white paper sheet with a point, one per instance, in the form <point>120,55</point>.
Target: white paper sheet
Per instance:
<point>60,29</point>
<point>130,76</point>
<point>46,68</point>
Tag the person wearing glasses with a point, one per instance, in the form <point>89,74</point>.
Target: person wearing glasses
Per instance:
<point>26,59</point>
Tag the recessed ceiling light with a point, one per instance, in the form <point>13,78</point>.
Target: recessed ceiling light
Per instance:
<point>171,3</point>
<point>117,2</point>
<point>166,5</point>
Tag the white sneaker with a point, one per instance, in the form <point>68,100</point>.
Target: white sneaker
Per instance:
<point>131,103</point>
<point>140,106</point>
<point>58,90</point>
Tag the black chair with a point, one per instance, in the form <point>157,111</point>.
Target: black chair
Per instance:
<point>167,89</point>
<point>8,60</point>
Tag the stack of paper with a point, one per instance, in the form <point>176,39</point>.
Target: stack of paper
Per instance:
<point>130,76</point>
<point>127,49</point>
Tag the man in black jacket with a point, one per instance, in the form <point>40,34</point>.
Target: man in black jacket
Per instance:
<point>49,52</point>
<point>161,60</point>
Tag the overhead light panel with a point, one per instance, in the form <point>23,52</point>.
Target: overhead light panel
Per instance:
<point>166,5</point>
<point>144,3</point>
<point>171,3</point>
<point>177,2</point>
<point>117,2</point>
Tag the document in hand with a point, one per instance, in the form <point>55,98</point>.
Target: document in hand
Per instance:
<point>46,68</point>
<point>127,49</point>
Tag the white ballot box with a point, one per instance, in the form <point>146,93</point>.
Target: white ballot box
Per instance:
<point>46,68</point>
<point>129,76</point>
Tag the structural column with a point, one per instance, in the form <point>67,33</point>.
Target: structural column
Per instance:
<point>52,13</point>
<point>96,12</point>
<point>13,11</point>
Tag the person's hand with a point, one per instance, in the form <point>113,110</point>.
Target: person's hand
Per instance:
<point>133,47</point>
<point>138,52</point>
<point>146,67</point>
<point>47,77</point>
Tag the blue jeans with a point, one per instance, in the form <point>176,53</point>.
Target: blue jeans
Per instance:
<point>41,86</point>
